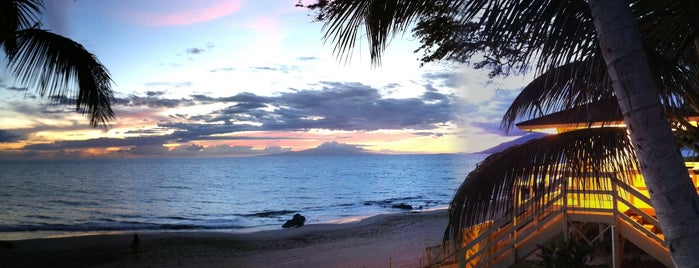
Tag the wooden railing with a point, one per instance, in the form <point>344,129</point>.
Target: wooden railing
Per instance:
<point>512,236</point>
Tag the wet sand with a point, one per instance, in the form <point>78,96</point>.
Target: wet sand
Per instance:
<point>390,240</point>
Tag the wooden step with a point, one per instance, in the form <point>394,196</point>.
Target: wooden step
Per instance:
<point>649,227</point>
<point>637,218</point>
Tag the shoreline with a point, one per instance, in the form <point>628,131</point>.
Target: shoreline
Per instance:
<point>49,234</point>
<point>395,240</point>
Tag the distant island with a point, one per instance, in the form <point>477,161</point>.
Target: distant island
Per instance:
<point>334,148</point>
<point>329,149</point>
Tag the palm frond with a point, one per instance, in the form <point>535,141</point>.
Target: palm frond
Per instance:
<point>16,15</point>
<point>584,82</point>
<point>56,65</point>
<point>489,191</point>
<point>565,87</point>
<point>381,20</point>
<point>543,33</point>
<point>671,26</point>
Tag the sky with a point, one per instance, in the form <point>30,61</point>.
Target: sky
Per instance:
<point>213,78</point>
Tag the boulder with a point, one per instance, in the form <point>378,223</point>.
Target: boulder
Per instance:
<point>296,221</point>
<point>403,206</point>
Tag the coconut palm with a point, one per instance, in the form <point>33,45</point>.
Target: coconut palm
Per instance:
<point>561,39</point>
<point>53,64</point>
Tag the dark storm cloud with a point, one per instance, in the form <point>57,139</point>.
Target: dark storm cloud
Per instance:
<point>6,136</point>
<point>100,143</point>
<point>154,93</point>
<point>151,131</point>
<point>145,142</point>
<point>148,150</point>
<point>244,97</point>
<point>338,106</point>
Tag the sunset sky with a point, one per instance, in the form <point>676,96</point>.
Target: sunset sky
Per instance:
<point>247,77</point>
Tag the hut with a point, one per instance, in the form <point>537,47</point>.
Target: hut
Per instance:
<point>579,186</point>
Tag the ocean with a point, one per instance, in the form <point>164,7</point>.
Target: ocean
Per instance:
<point>50,198</point>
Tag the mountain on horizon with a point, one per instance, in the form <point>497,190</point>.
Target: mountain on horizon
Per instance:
<point>330,148</point>
<point>502,146</point>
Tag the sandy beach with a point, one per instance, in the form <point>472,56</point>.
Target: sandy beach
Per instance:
<point>390,240</point>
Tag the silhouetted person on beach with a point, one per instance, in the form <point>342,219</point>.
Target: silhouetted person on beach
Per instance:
<point>134,243</point>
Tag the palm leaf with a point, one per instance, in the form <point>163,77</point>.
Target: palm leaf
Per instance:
<point>583,82</point>
<point>671,26</point>
<point>56,65</point>
<point>380,20</point>
<point>565,87</point>
<point>489,191</point>
<point>14,16</point>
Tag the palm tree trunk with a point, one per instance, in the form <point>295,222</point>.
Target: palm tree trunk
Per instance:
<point>672,192</point>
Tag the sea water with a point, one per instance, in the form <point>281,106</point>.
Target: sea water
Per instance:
<point>42,198</point>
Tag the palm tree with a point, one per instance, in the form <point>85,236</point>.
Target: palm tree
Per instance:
<point>560,39</point>
<point>53,64</point>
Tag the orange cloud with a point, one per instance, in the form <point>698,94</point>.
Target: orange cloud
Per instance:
<point>196,12</point>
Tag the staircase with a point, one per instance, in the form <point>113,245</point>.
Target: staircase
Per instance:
<point>622,207</point>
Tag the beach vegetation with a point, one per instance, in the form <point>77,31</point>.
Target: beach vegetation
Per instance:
<point>55,66</point>
<point>641,54</point>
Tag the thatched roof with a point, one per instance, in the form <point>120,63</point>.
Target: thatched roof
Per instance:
<point>604,112</point>
<point>489,191</point>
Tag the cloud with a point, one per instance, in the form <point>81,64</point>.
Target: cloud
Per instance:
<point>169,84</point>
<point>448,79</point>
<point>186,12</point>
<point>154,93</point>
<point>338,106</point>
<point>280,68</point>
<point>307,58</point>
<point>201,133</point>
<point>429,134</point>
<point>198,150</point>
<point>195,50</point>
<point>6,136</point>
<point>101,143</point>
<point>19,89</point>
<point>334,146</point>
<point>152,100</point>
<point>148,150</point>
<point>222,69</point>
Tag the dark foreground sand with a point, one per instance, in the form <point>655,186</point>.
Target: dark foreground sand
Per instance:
<point>392,240</point>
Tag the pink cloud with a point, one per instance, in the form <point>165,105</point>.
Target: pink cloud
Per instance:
<point>195,12</point>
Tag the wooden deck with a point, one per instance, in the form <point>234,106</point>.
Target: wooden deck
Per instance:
<point>620,209</point>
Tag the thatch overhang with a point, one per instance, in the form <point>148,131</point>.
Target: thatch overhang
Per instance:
<point>596,114</point>
<point>601,113</point>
